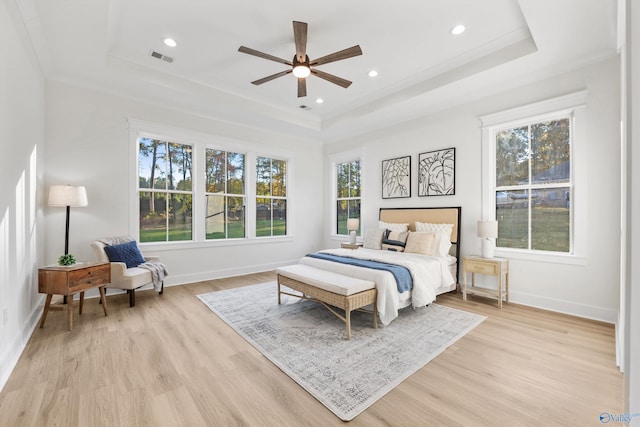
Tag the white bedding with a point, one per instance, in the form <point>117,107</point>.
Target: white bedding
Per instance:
<point>428,273</point>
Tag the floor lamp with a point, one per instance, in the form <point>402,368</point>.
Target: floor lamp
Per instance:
<point>67,196</point>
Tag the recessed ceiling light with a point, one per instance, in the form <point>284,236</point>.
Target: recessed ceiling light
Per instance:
<point>170,42</point>
<point>319,101</point>
<point>373,73</point>
<point>458,29</point>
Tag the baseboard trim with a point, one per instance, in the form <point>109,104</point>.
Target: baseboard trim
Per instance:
<point>566,307</point>
<point>9,359</point>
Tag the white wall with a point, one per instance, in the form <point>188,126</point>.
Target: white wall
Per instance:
<point>89,144</point>
<point>632,314</point>
<point>22,109</point>
<point>589,289</point>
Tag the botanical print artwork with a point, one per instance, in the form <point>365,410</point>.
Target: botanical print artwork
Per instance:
<point>396,178</point>
<point>436,173</point>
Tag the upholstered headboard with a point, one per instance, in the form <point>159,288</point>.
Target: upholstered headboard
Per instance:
<point>449,215</point>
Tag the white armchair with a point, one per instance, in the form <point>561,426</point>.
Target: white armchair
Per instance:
<point>128,279</point>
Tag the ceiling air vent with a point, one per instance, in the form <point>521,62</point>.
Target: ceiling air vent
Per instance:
<point>158,55</point>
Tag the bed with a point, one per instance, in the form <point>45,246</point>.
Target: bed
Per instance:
<point>431,275</point>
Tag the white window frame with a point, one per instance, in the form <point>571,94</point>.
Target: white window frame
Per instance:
<point>200,141</point>
<point>573,106</point>
<point>255,196</point>
<point>335,160</point>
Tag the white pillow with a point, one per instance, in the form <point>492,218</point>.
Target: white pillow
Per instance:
<point>420,243</point>
<point>401,228</point>
<point>373,239</point>
<point>442,240</point>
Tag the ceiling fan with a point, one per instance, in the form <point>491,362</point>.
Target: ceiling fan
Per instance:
<point>301,66</point>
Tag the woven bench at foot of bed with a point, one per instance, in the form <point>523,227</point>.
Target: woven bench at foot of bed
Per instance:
<point>347,293</point>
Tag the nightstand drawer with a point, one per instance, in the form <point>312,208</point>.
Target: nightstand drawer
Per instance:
<point>89,277</point>
<point>481,267</point>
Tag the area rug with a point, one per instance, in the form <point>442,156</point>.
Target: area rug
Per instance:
<point>309,344</point>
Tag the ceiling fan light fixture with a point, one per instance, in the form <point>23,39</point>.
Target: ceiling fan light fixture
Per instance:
<point>301,71</point>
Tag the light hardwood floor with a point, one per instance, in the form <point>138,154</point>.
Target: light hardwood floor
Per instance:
<point>170,361</point>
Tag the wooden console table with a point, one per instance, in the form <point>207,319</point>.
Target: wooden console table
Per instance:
<point>70,280</point>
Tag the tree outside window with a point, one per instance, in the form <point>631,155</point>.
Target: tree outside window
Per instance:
<point>225,195</point>
<point>164,190</point>
<point>271,197</point>
<point>534,186</point>
<point>348,195</point>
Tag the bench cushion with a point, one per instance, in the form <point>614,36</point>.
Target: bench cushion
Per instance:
<point>327,280</point>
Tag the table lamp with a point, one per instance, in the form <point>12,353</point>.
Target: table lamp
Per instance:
<point>488,232</point>
<point>352,226</point>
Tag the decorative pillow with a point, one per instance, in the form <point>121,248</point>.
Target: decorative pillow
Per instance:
<point>125,252</point>
<point>442,239</point>
<point>394,241</point>
<point>393,226</point>
<point>373,239</point>
<point>419,243</point>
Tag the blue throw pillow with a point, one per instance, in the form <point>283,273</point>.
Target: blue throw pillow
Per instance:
<point>125,252</point>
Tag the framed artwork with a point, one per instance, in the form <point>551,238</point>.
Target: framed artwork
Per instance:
<point>396,178</point>
<point>437,173</point>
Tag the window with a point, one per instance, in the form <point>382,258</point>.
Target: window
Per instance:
<point>224,194</point>
<point>347,195</point>
<point>164,190</point>
<point>533,179</point>
<point>533,185</point>
<point>271,197</point>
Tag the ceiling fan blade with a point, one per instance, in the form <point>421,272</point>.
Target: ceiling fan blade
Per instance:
<point>302,87</point>
<point>337,56</point>
<point>254,52</point>
<point>300,37</point>
<point>271,77</point>
<point>331,78</point>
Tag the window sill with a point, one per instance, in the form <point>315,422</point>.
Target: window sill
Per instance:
<point>169,246</point>
<point>538,256</point>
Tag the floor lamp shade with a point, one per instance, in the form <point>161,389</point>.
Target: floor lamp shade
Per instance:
<point>67,196</point>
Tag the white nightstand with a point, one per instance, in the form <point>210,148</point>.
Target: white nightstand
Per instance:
<point>347,245</point>
<point>489,266</point>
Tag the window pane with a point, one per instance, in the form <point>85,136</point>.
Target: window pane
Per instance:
<point>179,167</point>
<point>179,217</point>
<point>279,217</point>
<point>279,178</point>
<point>551,151</point>
<point>153,218</point>
<point>215,171</point>
<point>151,163</point>
<point>343,179</point>
<point>235,217</point>
<point>354,182</point>
<point>513,223</point>
<point>512,151</point>
<point>214,222</point>
<point>263,217</point>
<point>347,209</point>
<point>263,176</point>
<point>235,173</point>
<point>550,220</point>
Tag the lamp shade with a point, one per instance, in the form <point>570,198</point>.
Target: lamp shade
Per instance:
<point>67,195</point>
<point>352,224</point>
<point>488,229</point>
